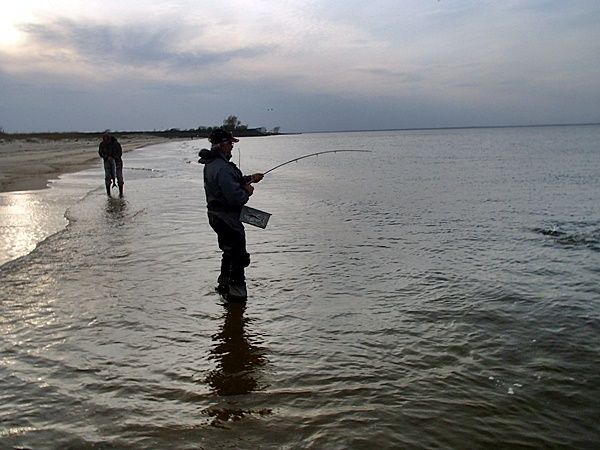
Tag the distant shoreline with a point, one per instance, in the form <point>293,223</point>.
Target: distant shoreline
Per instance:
<point>167,134</point>
<point>29,162</point>
<point>472,127</point>
<point>253,132</point>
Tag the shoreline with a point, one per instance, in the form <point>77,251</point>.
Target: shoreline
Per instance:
<point>30,163</point>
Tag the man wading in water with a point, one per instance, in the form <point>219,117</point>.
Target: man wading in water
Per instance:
<point>110,151</point>
<point>227,190</point>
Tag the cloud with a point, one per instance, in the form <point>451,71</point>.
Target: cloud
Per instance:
<point>466,59</point>
<point>287,44</point>
<point>404,77</point>
<point>107,47</point>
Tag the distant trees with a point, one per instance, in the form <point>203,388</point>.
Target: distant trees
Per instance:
<point>231,123</point>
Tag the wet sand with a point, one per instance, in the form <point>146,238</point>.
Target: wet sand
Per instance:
<point>29,163</point>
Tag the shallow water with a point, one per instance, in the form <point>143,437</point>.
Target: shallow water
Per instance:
<point>439,292</point>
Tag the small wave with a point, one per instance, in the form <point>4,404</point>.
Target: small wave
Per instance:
<point>142,168</point>
<point>549,231</point>
<point>220,416</point>
<point>589,238</point>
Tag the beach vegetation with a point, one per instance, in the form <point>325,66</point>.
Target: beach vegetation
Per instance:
<point>231,123</point>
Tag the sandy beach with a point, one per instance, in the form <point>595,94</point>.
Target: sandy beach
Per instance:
<point>28,163</point>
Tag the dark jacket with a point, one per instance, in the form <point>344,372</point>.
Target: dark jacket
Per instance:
<point>223,183</point>
<point>112,148</point>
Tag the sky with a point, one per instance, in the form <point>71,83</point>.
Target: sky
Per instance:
<point>302,65</point>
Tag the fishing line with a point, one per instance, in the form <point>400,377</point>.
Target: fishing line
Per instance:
<point>260,218</point>
<point>312,154</point>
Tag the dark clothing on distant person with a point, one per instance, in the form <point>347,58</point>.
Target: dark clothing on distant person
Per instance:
<point>112,148</point>
<point>111,152</point>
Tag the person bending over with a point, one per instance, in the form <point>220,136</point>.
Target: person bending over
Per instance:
<point>111,152</point>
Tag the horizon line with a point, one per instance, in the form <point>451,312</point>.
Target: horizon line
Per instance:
<point>464,127</point>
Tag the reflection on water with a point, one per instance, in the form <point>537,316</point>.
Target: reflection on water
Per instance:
<point>419,312</point>
<point>117,241</point>
<point>31,308</point>
<point>238,364</point>
<point>25,220</point>
<point>238,359</point>
<point>115,209</point>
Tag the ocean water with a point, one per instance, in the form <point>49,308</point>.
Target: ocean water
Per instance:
<point>441,291</point>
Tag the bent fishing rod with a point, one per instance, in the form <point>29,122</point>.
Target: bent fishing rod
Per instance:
<point>312,154</point>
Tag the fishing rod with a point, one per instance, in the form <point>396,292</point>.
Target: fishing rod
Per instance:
<point>312,154</point>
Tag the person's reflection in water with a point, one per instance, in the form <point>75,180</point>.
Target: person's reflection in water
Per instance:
<point>237,358</point>
<point>112,235</point>
<point>115,211</point>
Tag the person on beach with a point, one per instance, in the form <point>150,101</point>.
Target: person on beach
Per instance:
<point>110,151</point>
<point>227,191</point>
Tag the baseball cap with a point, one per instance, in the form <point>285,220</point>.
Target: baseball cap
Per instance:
<point>219,135</point>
